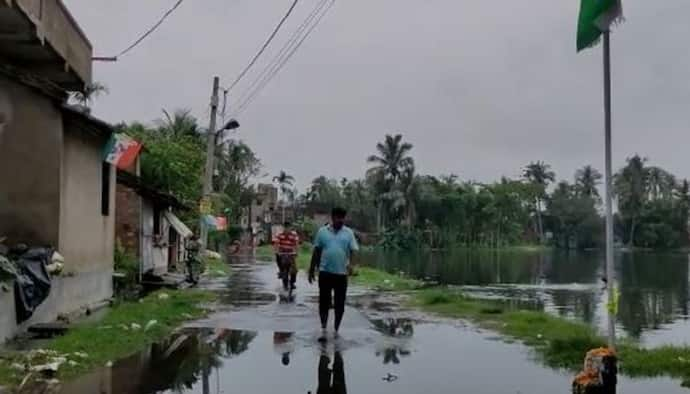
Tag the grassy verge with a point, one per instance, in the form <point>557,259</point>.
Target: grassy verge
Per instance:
<point>561,343</point>
<point>126,329</point>
<point>217,268</point>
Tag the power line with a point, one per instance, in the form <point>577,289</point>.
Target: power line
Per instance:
<point>276,69</point>
<point>263,48</point>
<point>151,30</point>
<point>283,51</point>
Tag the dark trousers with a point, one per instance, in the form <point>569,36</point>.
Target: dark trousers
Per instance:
<point>332,291</point>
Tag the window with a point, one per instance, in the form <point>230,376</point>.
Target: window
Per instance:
<point>156,220</point>
<point>105,189</point>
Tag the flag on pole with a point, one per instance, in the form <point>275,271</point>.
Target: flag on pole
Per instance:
<point>121,150</point>
<point>596,16</point>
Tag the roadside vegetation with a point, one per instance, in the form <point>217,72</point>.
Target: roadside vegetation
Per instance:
<point>560,343</point>
<point>216,268</point>
<point>127,328</point>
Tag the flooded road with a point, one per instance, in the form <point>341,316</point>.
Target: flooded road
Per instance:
<point>257,343</point>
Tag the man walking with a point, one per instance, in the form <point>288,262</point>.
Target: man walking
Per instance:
<point>334,246</point>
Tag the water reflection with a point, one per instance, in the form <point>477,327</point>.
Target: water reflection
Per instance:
<point>331,379</point>
<point>177,364</point>
<point>398,333</point>
<point>284,345</point>
<point>653,286</point>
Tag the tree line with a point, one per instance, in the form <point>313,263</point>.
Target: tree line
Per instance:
<point>407,209</point>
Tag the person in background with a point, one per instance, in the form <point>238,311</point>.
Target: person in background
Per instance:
<point>334,247</point>
<point>286,244</point>
<point>193,261</point>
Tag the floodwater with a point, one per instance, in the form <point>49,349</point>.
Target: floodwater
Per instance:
<point>259,342</point>
<point>654,292</point>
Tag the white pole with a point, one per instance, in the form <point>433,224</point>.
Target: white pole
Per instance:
<point>610,274</point>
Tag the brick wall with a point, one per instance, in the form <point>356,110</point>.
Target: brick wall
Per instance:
<point>127,216</point>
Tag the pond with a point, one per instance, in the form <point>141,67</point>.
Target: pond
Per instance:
<point>653,305</point>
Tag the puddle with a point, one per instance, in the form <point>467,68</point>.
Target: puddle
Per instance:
<point>268,346</point>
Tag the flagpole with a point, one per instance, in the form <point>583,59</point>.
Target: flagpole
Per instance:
<point>610,274</point>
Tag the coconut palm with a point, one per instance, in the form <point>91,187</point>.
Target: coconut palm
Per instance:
<point>285,183</point>
<point>389,166</point>
<point>660,183</point>
<point>392,157</point>
<point>631,188</point>
<point>587,179</point>
<point>180,123</point>
<point>539,174</point>
<point>86,96</point>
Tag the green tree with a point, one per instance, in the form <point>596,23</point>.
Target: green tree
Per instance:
<point>539,174</point>
<point>91,91</point>
<point>587,181</point>
<point>631,189</point>
<point>180,123</point>
<point>285,182</point>
<point>391,162</point>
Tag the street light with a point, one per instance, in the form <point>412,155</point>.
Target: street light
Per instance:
<point>231,125</point>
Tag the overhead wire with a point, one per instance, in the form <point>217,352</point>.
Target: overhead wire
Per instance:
<point>283,51</point>
<point>263,47</point>
<point>151,30</point>
<point>283,57</point>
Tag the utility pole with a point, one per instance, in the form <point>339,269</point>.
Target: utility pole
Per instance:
<point>210,153</point>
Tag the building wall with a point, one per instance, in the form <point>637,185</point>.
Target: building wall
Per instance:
<point>87,237</point>
<point>30,148</point>
<point>128,219</point>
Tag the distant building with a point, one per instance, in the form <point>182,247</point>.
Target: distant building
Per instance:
<point>259,215</point>
<point>55,188</point>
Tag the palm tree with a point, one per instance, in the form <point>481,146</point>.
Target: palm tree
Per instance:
<point>660,183</point>
<point>285,182</point>
<point>539,174</point>
<point>630,185</point>
<point>587,179</point>
<point>392,157</point>
<point>180,123</point>
<point>390,164</point>
<point>86,96</point>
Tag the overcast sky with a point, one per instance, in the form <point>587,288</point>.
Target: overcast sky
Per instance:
<point>479,87</point>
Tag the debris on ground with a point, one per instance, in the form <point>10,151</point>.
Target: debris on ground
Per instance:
<point>163,296</point>
<point>135,326</point>
<point>599,374</point>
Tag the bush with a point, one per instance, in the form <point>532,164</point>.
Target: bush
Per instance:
<point>125,262</point>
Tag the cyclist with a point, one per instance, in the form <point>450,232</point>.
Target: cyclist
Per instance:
<point>286,244</point>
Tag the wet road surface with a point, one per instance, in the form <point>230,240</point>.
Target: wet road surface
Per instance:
<point>257,343</point>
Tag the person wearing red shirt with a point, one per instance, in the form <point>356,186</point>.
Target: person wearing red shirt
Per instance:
<point>286,244</point>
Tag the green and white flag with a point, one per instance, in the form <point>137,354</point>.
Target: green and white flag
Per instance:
<point>596,16</point>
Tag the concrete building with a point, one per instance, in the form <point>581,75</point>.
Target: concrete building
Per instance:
<point>147,227</point>
<point>259,215</point>
<point>55,188</point>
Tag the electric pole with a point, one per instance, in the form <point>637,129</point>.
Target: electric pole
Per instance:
<point>208,174</point>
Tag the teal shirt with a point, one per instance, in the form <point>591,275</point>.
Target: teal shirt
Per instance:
<point>336,248</point>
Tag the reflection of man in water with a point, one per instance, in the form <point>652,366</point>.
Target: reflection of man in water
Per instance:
<point>283,345</point>
<point>331,381</point>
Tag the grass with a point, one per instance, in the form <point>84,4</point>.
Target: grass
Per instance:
<point>381,280</point>
<point>561,343</point>
<point>217,268</point>
<point>126,329</point>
